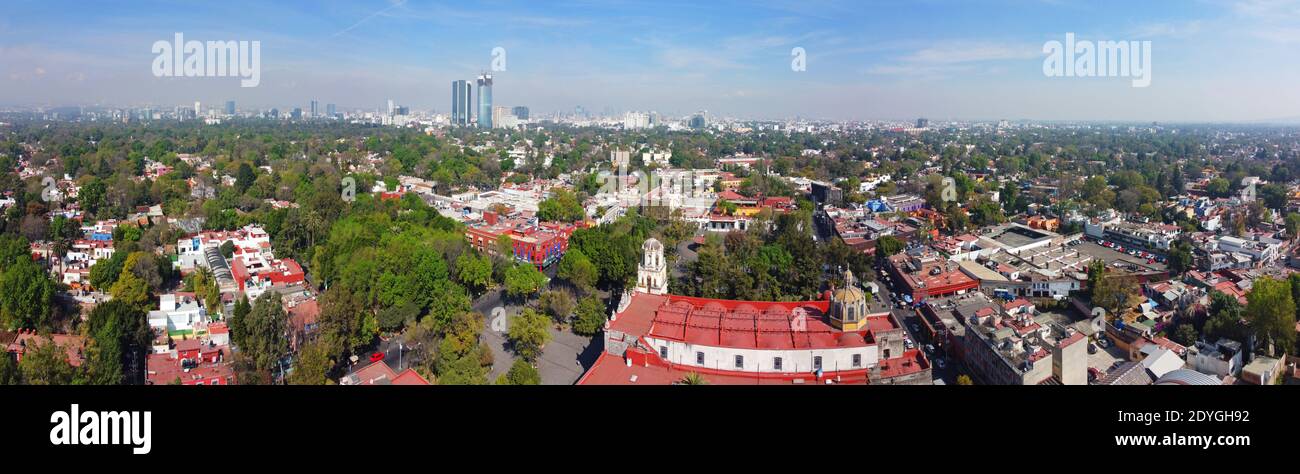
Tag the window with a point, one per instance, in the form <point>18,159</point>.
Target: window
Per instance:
<point>740,362</point>
<point>776,363</point>
<point>663,352</point>
<point>817,362</point>
<point>857,360</point>
<point>699,358</point>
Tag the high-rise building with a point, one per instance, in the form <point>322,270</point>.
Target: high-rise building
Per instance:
<point>296,114</point>
<point>520,112</point>
<point>485,101</point>
<point>315,111</point>
<point>230,107</point>
<point>922,123</point>
<point>331,110</point>
<point>197,109</point>
<point>461,103</point>
<point>390,107</point>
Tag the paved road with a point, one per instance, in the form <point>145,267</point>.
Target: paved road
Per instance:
<point>685,255</point>
<point>909,318</point>
<point>567,357</point>
<point>495,326</point>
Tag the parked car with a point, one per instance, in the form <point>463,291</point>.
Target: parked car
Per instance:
<point>376,357</point>
<point>939,363</point>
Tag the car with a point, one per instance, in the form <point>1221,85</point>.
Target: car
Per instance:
<point>939,363</point>
<point>376,357</point>
<point>929,347</point>
<point>916,327</point>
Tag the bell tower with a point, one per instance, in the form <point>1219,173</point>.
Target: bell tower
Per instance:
<point>652,273</point>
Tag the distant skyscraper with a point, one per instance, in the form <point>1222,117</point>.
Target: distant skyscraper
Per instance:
<point>296,114</point>
<point>331,110</point>
<point>197,109</point>
<point>461,103</point>
<point>520,112</point>
<point>390,107</point>
<point>699,120</point>
<point>922,123</point>
<point>485,101</point>
<point>230,107</point>
<point>315,111</point>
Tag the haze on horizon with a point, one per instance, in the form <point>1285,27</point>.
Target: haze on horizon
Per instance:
<point>1213,60</point>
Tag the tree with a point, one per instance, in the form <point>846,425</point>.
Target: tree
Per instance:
<point>131,290</point>
<point>589,317</point>
<point>118,333</point>
<point>523,280</point>
<point>1293,225</point>
<point>558,304</point>
<point>1271,313</point>
<point>1180,258</point>
<point>693,378</point>
<point>1185,334</point>
<point>561,206</point>
<point>313,365</point>
<point>1116,294</point>
<point>888,245</point>
<point>523,373</point>
<point>393,318</point>
<point>265,332</point>
<point>474,271</point>
<point>529,332</point>
<point>1225,319</point>
<point>1218,187</point>
<point>237,316</point>
<point>46,363</point>
<point>26,295</point>
<point>9,373</point>
<point>578,270</point>
<point>449,300</point>
<point>105,271</point>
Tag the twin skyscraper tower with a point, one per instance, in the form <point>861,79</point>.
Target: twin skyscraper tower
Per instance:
<point>462,100</point>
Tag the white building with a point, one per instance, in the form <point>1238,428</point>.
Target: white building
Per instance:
<point>177,312</point>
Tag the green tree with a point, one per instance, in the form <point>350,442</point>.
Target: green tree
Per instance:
<point>46,363</point>
<point>265,332</point>
<point>523,280</point>
<point>578,270</point>
<point>9,373</point>
<point>558,304</point>
<point>589,318</point>
<point>529,332</point>
<point>27,298</point>
<point>105,271</point>
<point>1271,313</point>
<point>1225,318</point>
<point>561,206</point>
<point>312,366</point>
<point>132,290</point>
<point>117,333</point>
<point>1180,258</point>
<point>693,378</point>
<point>474,271</point>
<point>523,373</point>
<point>1185,334</point>
<point>888,245</point>
<point>1116,294</point>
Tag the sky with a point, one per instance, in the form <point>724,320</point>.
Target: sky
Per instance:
<point>1211,60</point>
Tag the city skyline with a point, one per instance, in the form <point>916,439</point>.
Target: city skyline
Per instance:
<point>1214,60</point>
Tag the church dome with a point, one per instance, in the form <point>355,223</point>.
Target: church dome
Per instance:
<point>850,293</point>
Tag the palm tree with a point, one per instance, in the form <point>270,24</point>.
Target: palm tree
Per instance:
<point>693,378</point>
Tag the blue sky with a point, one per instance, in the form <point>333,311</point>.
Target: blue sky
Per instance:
<point>1213,60</point>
